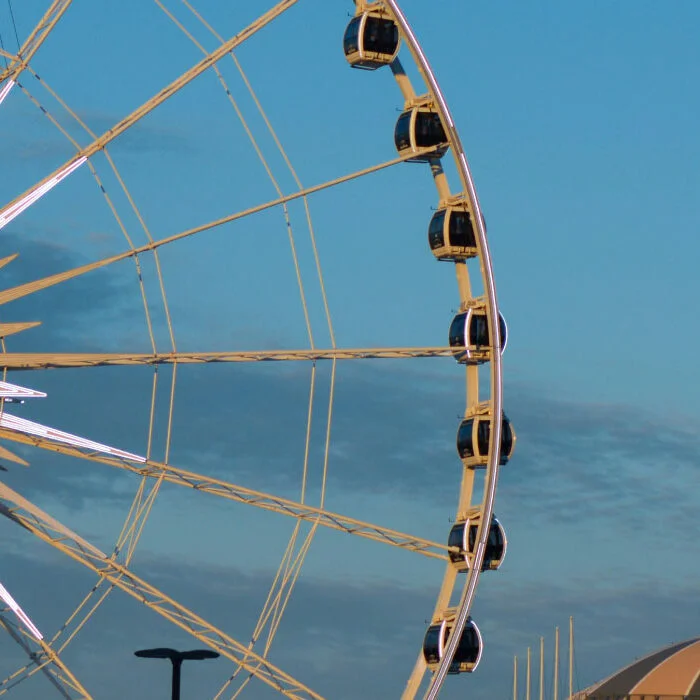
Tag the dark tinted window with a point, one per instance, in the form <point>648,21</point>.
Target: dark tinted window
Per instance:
<point>431,645</point>
<point>478,330</point>
<point>350,42</point>
<point>457,331</point>
<point>465,445</point>
<point>380,36</point>
<point>436,236</point>
<point>494,545</point>
<point>472,537</point>
<point>456,536</point>
<point>483,436</point>
<point>506,440</point>
<point>456,539</point>
<point>504,329</point>
<point>402,132</point>
<point>468,647</point>
<point>428,130</point>
<point>461,231</point>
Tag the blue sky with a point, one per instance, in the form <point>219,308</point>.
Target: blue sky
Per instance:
<point>580,123</point>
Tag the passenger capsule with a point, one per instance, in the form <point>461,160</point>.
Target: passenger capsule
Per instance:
<point>474,438</point>
<point>451,234</point>
<point>468,653</point>
<point>418,128</point>
<point>463,538</point>
<point>371,40</point>
<point>469,336</point>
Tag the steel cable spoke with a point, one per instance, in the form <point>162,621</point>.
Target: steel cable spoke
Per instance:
<point>34,41</point>
<point>32,195</point>
<point>54,533</point>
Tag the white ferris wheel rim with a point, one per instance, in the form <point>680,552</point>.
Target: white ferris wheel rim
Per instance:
<point>492,312</point>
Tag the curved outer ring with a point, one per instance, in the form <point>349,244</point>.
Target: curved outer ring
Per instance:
<point>492,315</point>
<point>494,333</point>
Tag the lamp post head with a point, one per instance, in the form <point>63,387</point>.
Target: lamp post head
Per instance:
<point>175,656</point>
<point>160,653</point>
<point>199,654</point>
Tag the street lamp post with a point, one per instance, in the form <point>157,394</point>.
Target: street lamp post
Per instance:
<point>176,658</point>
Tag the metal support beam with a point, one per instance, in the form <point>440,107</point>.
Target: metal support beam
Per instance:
<point>241,494</point>
<point>48,529</point>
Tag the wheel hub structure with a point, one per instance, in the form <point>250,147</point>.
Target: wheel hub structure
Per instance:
<point>166,321</point>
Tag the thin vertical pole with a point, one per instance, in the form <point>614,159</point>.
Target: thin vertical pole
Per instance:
<point>571,657</point>
<point>177,667</point>
<point>527,684</point>
<point>541,668</point>
<point>515,678</point>
<point>556,663</point>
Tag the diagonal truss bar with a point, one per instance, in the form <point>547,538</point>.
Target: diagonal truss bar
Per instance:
<point>8,259</point>
<point>17,205</point>
<point>23,290</point>
<point>53,678</point>
<point>63,360</point>
<point>12,328</point>
<point>60,676</point>
<point>60,537</point>
<point>12,457</point>
<point>241,494</point>
<point>35,40</point>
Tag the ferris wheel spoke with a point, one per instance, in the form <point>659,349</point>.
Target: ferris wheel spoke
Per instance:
<point>298,194</point>
<point>60,537</point>
<point>28,288</point>
<point>484,406</point>
<point>241,494</point>
<point>7,329</point>
<point>18,677</point>
<point>34,41</point>
<point>87,607</point>
<point>43,658</point>
<point>67,360</point>
<point>265,163</point>
<point>32,195</point>
<point>285,158</point>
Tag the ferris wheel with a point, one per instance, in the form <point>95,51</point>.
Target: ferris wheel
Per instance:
<point>377,37</point>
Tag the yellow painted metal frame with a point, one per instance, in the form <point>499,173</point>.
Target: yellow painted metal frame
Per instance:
<point>49,530</point>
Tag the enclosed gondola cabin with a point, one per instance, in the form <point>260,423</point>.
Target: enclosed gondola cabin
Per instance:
<point>462,544</point>
<point>468,653</point>
<point>371,40</point>
<point>451,234</point>
<point>469,336</point>
<point>419,128</point>
<point>474,439</point>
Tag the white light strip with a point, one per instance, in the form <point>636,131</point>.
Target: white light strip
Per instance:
<point>22,425</point>
<point>5,90</point>
<point>12,391</point>
<point>14,210</point>
<point>23,617</point>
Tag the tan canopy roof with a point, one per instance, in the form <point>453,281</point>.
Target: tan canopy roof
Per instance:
<point>671,673</point>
